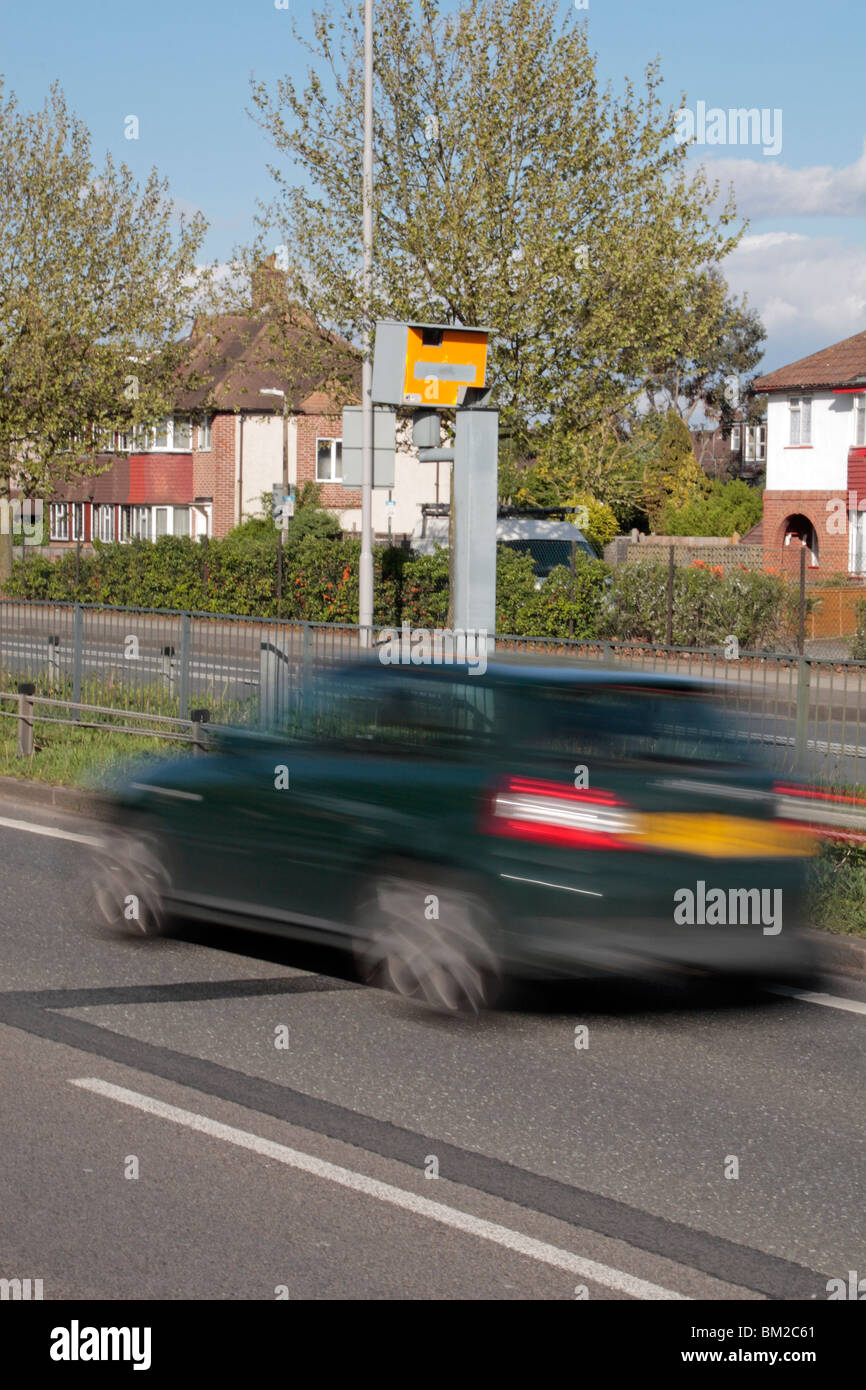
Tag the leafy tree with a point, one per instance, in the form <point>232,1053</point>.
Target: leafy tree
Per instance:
<point>98,281</point>
<point>671,476</point>
<point>723,340</point>
<point>510,189</point>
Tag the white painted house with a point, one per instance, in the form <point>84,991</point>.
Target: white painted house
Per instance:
<point>816,460</point>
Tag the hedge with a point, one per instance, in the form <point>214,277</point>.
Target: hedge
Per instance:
<point>320,584</point>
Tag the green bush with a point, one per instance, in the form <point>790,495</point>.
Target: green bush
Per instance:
<point>708,606</point>
<point>720,511</point>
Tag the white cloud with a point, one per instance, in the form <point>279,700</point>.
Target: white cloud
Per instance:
<point>766,188</point>
<point>809,291</point>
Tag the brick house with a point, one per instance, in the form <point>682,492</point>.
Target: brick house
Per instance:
<point>816,461</point>
<point>740,452</point>
<point>205,468</point>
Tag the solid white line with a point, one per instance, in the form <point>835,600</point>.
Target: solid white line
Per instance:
<point>51,831</point>
<point>828,1001</point>
<point>385,1192</point>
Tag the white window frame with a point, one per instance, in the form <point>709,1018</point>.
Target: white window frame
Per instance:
<point>735,439</point>
<point>76,528</point>
<point>859,422</point>
<point>181,448</point>
<point>335,477</point>
<point>799,422</point>
<point>144,440</point>
<point>204,433</point>
<point>58,521</point>
<point>756,444</point>
<point>104,521</point>
<point>139,514</point>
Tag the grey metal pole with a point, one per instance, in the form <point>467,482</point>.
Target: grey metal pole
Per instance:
<point>365,574</point>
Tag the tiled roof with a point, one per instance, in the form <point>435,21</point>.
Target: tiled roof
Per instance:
<point>235,356</point>
<point>843,364</point>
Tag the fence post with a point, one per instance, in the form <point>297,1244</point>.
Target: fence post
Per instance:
<point>199,717</point>
<point>26,691</point>
<point>53,659</point>
<point>77,657</point>
<point>802,724</point>
<point>669,618</point>
<point>185,639</point>
<point>168,666</point>
<point>801,628</point>
<point>306,662</point>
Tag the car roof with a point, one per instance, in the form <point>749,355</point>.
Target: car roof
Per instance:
<point>518,670</point>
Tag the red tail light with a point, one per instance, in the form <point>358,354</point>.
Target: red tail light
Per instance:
<point>827,814</point>
<point>548,813</point>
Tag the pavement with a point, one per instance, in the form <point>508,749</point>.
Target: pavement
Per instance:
<point>223,1115</point>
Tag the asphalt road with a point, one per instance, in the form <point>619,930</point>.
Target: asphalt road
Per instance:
<point>301,1170</point>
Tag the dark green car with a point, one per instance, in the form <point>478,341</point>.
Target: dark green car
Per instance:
<point>454,828</point>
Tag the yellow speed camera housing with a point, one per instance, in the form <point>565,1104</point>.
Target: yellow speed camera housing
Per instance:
<point>428,365</point>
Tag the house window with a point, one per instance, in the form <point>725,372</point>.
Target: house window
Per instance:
<point>126,440</point>
<point>756,443</point>
<point>735,439</point>
<point>859,421</point>
<point>329,460</point>
<point>181,521</point>
<point>78,521</point>
<point>204,432</point>
<point>124,523</point>
<point>182,433</point>
<point>161,522</point>
<point>140,521</point>
<point>103,522</point>
<point>59,521</point>
<point>800,415</point>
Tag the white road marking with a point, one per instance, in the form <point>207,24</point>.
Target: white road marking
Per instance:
<point>828,1001</point>
<point>385,1192</point>
<point>50,830</point>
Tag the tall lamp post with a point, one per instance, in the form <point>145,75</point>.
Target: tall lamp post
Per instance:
<point>365,570</point>
<point>283,531</point>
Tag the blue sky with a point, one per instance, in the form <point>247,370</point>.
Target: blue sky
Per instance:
<point>183,69</point>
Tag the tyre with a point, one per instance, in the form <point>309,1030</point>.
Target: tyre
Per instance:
<point>428,935</point>
<point>129,885</point>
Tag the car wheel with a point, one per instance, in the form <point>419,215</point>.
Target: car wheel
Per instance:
<point>129,884</point>
<point>430,937</point>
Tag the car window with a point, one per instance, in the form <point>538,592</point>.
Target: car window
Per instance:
<point>634,723</point>
<point>394,712</point>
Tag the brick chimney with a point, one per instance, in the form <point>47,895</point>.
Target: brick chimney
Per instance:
<point>268,285</point>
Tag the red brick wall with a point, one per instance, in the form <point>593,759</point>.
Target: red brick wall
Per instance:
<point>311,428</point>
<point>214,473</point>
<point>831,529</point>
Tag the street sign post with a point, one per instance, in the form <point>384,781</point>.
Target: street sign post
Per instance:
<point>427,367</point>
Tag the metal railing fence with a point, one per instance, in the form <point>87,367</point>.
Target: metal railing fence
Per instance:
<point>806,712</point>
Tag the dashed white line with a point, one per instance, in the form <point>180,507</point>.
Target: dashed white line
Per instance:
<point>385,1192</point>
<point>827,1001</point>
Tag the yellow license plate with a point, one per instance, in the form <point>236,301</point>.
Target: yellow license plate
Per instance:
<point>723,837</point>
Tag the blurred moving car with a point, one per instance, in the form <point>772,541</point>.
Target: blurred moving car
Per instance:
<point>454,829</point>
